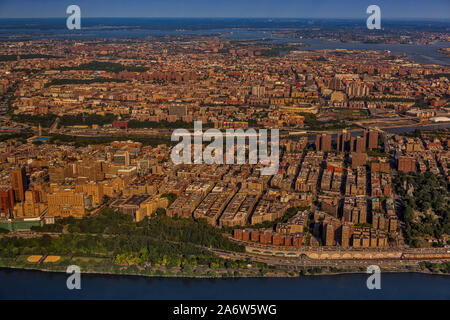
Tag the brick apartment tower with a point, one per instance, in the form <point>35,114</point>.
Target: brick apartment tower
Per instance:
<point>19,183</point>
<point>343,141</point>
<point>323,142</point>
<point>372,139</point>
<point>328,234</point>
<point>360,145</point>
<point>406,164</point>
<point>6,200</point>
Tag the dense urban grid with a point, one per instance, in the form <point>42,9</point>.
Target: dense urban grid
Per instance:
<point>86,171</point>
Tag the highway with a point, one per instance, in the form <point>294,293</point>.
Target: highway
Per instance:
<point>304,261</point>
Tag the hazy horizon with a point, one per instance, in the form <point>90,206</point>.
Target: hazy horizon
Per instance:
<point>249,17</point>
<point>286,9</point>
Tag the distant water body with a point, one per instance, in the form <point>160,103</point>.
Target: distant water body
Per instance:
<point>239,29</point>
<point>19,284</point>
<point>423,53</point>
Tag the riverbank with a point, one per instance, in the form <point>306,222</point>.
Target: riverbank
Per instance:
<point>326,273</point>
<point>91,265</point>
<point>277,272</point>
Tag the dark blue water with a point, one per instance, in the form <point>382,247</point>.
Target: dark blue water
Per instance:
<point>436,126</point>
<point>16,284</point>
<point>251,29</point>
<point>423,53</point>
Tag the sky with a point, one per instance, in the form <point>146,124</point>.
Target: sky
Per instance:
<point>405,9</point>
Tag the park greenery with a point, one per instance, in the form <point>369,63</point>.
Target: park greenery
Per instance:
<point>436,267</point>
<point>79,141</point>
<point>437,76</point>
<point>58,82</point>
<point>14,57</point>
<point>158,241</point>
<point>276,51</point>
<point>164,124</point>
<point>89,119</point>
<point>377,153</point>
<point>437,133</point>
<point>170,196</point>
<point>312,123</point>
<point>43,120</point>
<point>28,71</point>
<point>383,99</point>
<point>426,212</point>
<point>13,136</point>
<point>65,120</point>
<point>106,66</point>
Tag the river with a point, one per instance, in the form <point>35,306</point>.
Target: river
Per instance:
<point>22,284</point>
<point>238,29</point>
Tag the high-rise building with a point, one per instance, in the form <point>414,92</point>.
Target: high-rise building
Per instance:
<point>258,91</point>
<point>93,189</point>
<point>406,164</point>
<point>58,174</point>
<point>358,159</point>
<point>30,207</point>
<point>122,157</point>
<point>345,235</point>
<point>343,141</point>
<point>328,234</point>
<point>329,205</point>
<point>360,145</point>
<point>92,169</point>
<point>393,222</point>
<point>372,139</point>
<point>335,84</point>
<point>323,142</point>
<point>326,143</point>
<point>318,138</point>
<point>178,110</point>
<point>357,90</point>
<point>6,200</point>
<point>19,183</point>
<point>65,203</point>
<point>380,166</point>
